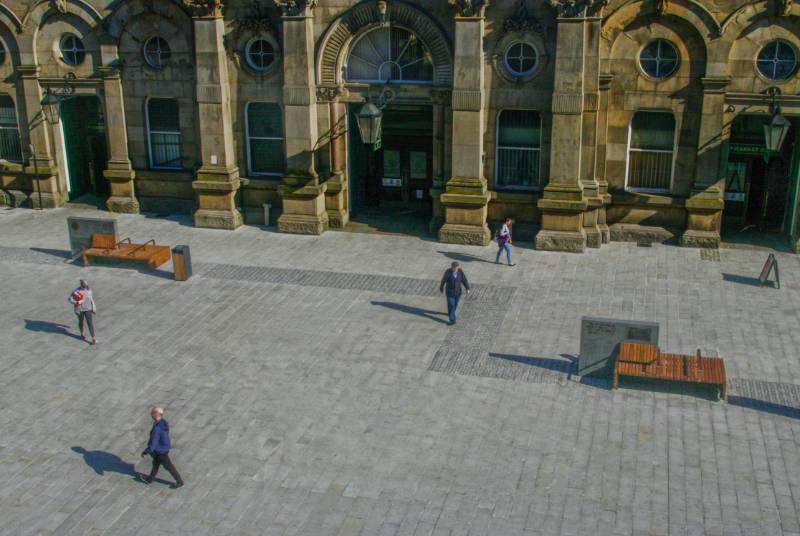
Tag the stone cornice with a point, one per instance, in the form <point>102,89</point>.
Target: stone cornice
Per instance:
<point>577,9</point>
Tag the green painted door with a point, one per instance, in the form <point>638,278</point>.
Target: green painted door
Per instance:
<point>85,146</point>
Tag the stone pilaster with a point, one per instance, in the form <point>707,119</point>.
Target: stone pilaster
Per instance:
<point>302,193</point>
<point>217,179</point>
<point>600,156</point>
<point>563,203</point>
<point>336,193</point>
<point>466,197</point>
<point>440,100</point>
<point>119,172</point>
<point>704,207</point>
<point>591,103</point>
<point>40,149</point>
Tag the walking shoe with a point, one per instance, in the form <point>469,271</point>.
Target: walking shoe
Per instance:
<point>177,485</point>
<point>512,264</point>
<point>83,337</point>
<point>146,479</point>
<point>94,341</point>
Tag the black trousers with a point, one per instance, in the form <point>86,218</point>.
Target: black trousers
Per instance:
<point>163,459</point>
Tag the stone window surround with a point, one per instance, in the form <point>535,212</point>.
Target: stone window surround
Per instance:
<point>3,52</point>
<point>239,55</point>
<point>776,80</point>
<point>529,38</point>
<point>162,63</point>
<point>653,41</point>
<point>58,49</point>
<point>246,53</point>
<point>675,147</point>
<point>502,187</point>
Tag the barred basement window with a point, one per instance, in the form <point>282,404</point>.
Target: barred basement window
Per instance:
<point>9,132</point>
<point>519,139</point>
<point>651,151</point>
<point>164,134</point>
<point>264,130</point>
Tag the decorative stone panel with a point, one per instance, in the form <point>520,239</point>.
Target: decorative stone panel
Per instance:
<point>466,100</point>
<point>567,103</point>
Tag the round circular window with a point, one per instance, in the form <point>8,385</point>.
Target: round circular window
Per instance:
<point>520,58</point>
<point>72,50</point>
<point>156,52</point>
<point>659,59</point>
<point>777,60</point>
<point>260,55</point>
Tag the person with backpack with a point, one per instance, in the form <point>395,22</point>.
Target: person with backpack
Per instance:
<point>158,447</point>
<point>82,300</point>
<point>504,241</point>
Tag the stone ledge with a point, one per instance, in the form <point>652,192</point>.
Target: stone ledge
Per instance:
<point>218,219</point>
<point>471,235</point>
<point>303,224</point>
<point>629,232</point>
<point>700,239</point>
<point>570,242</point>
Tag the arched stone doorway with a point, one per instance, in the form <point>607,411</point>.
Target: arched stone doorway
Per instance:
<point>390,47</point>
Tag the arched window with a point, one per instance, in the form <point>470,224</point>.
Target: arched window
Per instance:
<point>2,53</point>
<point>389,54</point>
<point>9,132</point>
<point>164,133</point>
<point>652,146</point>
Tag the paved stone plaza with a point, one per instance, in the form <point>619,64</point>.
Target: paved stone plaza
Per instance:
<point>313,387</point>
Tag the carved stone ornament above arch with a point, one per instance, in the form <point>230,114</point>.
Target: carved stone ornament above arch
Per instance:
<point>39,11</point>
<point>469,8</point>
<point>114,24</point>
<point>295,8</point>
<point>10,19</point>
<point>693,12</point>
<point>367,15</point>
<point>744,17</point>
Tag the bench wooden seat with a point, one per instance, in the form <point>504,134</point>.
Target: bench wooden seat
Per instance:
<point>105,246</point>
<point>647,361</point>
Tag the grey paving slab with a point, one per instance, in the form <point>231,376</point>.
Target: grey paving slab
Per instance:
<point>313,387</point>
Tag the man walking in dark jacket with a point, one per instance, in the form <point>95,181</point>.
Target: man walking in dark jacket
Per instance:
<point>452,281</point>
<point>158,447</point>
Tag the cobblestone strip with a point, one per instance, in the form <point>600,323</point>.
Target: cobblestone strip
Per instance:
<point>344,281</point>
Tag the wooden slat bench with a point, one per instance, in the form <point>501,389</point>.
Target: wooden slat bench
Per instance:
<point>646,361</point>
<point>105,246</point>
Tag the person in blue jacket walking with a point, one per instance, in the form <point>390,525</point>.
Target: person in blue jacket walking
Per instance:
<point>158,448</point>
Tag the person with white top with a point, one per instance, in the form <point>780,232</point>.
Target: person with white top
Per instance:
<point>82,300</point>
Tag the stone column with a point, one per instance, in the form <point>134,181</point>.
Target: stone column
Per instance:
<point>119,171</point>
<point>440,99</point>
<point>217,179</point>
<point>563,203</point>
<point>591,98</point>
<point>42,160</point>
<point>302,193</point>
<point>466,197</point>
<point>704,207</point>
<point>336,193</point>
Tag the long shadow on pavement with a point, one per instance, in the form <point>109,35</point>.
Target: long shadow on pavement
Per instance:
<point>464,257</point>
<point>761,405</point>
<point>104,462</point>
<point>49,327</point>
<point>425,313</point>
<point>743,279</point>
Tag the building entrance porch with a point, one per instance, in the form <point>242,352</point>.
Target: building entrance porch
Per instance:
<point>390,182</point>
<point>85,147</point>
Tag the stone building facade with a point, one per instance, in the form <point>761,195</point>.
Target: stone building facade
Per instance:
<point>584,120</point>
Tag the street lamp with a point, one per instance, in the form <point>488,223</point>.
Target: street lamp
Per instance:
<point>369,120</point>
<point>777,128</point>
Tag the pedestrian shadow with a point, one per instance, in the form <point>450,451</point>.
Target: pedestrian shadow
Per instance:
<point>464,257</point>
<point>44,326</point>
<point>741,279</point>
<point>762,405</point>
<point>425,313</point>
<point>104,462</point>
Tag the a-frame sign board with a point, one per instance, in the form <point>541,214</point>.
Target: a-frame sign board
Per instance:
<point>769,266</point>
